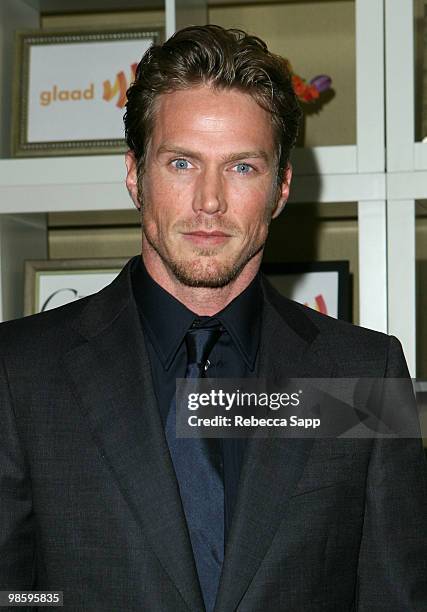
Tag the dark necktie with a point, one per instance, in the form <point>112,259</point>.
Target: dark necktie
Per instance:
<point>198,468</point>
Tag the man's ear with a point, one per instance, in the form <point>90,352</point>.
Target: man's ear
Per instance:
<point>283,194</point>
<point>132,178</point>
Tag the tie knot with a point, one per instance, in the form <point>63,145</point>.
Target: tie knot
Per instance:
<point>200,340</point>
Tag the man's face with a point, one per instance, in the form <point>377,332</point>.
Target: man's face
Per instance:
<point>209,187</point>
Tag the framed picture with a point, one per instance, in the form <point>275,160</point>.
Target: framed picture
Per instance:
<point>324,286</point>
<point>55,282</point>
<point>70,89</point>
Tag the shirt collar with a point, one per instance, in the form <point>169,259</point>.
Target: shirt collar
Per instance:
<point>167,320</point>
<point>242,320</point>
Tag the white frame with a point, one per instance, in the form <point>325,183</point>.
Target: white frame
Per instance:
<point>402,174</point>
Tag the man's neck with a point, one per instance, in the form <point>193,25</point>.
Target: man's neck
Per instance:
<point>204,301</point>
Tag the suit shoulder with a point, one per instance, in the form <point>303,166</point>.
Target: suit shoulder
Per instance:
<point>344,329</point>
<point>343,342</point>
<point>53,328</point>
<point>60,329</point>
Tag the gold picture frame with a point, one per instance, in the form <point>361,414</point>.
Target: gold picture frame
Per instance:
<point>70,89</point>
<point>50,283</point>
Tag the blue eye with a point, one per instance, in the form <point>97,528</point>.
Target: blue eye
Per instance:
<point>243,168</point>
<point>180,164</point>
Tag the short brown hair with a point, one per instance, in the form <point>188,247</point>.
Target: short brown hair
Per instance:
<point>223,59</point>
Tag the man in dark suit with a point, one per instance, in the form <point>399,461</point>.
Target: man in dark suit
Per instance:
<point>99,497</point>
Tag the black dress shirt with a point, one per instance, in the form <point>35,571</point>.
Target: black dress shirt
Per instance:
<point>165,321</point>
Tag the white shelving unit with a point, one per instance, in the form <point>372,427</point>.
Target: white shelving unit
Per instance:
<point>32,187</point>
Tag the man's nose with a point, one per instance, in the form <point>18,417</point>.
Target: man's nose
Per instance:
<point>209,196</point>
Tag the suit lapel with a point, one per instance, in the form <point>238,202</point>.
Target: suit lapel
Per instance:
<point>110,375</point>
<point>288,341</point>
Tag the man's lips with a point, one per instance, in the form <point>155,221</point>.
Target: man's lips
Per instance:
<point>203,238</point>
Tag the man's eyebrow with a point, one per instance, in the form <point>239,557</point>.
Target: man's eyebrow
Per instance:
<point>176,151</point>
<point>230,157</point>
<point>246,155</point>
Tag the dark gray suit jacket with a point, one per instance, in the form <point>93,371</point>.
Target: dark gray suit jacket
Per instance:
<point>89,503</point>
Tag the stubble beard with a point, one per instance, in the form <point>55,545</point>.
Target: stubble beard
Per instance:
<point>197,271</point>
